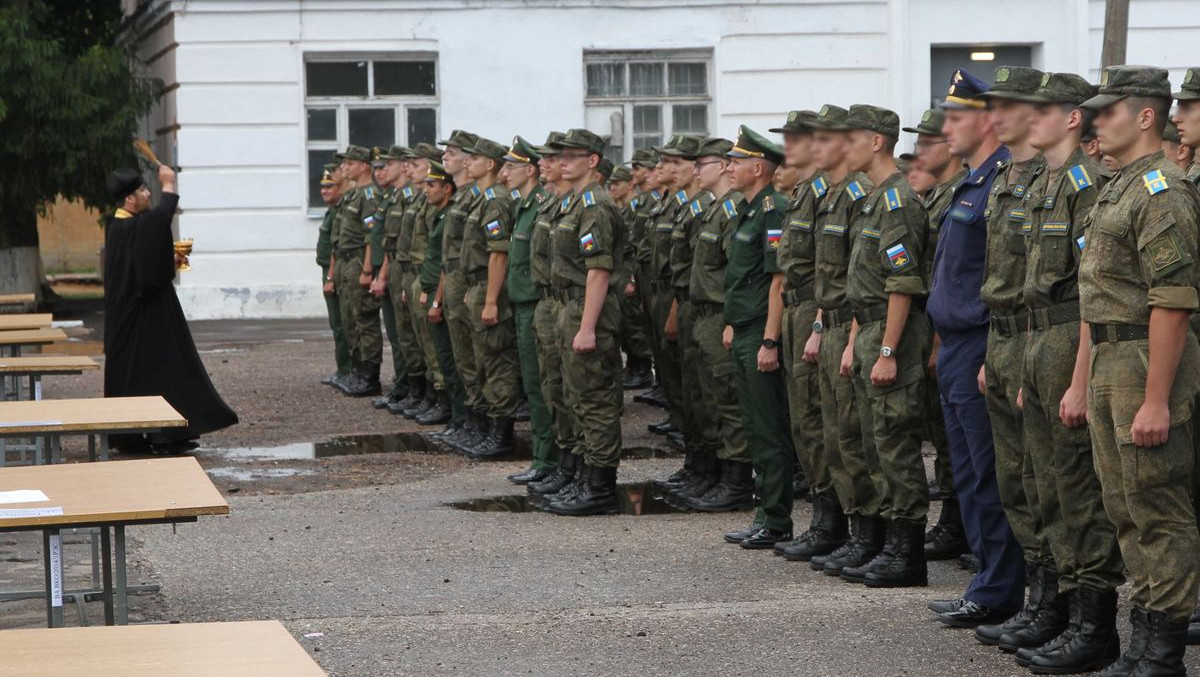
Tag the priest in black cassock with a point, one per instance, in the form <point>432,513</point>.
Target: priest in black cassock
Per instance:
<point>148,347</point>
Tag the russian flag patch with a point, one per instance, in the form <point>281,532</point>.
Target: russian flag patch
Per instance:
<point>494,230</point>
<point>587,244</point>
<point>773,237</point>
<point>898,256</point>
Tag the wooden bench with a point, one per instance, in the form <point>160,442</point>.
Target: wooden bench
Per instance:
<point>25,321</point>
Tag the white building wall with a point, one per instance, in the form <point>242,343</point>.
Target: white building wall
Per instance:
<point>516,67</point>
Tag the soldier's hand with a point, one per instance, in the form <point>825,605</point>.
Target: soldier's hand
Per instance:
<point>884,372</point>
<point>1072,410</point>
<point>1151,425</point>
<point>812,348</point>
<point>630,290</point>
<point>327,287</point>
<point>768,359</point>
<point>424,298</point>
<point>847,366</point>
<point>584,342</point>
<point>982,379</point>
<point>364,280</point>
<point>1021,398</point>
<point>671,328</point>
<point>378,287</point>
<point>490,315</point>
<point>931,366</point>
<point>727,337</point>
<point>404,297</point>
<point>434,315</point>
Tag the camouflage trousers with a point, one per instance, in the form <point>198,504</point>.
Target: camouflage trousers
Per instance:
<point>360,313</point>
<point>412,359</point>
<point>1071,510</point>
<point>420,321</point>
<point>1014,470</point>
<point>670,365</point>
<point>804,397</point>
<point>592,382</point>
<point>935,432</point>
<point>341,352</point>
<point>723,414</point>
<point>550,361</point>
<point>458,323</point>
<point>893,417</point>
<point>497,365</point>
<point>704,429</point>
<point>851,456</point>
<point>1147,490</point>
<point>541,422</point>
<point>634,341</point>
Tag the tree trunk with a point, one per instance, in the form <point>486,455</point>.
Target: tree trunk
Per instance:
<point>1116,33</point>
<point>20,261</point>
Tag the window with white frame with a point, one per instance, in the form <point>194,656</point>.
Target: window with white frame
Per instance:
<point>636,99</point>
<point>376,100</point>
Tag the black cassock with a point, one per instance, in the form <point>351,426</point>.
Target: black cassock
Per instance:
<point>147,344</point>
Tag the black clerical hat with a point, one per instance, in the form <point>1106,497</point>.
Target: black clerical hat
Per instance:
<point>123,182</point>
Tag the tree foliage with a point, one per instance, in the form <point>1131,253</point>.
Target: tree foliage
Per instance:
<point>70,101</point>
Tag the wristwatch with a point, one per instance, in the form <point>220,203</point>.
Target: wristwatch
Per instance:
<point>770,344</point>
<point>435,304</point>
<point>818,328</point>
<point>886,351</point>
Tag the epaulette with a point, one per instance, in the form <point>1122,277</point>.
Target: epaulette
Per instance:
<point>768,203</point>
<point>697,210</point>
<point>566,203</point>
<point>681,197</point>
<point>369,192</point>
<point>589,199</point>
<point>657,195</point>
<point>475,191</point>
<point>1155,182</point>
<point>855,191</point>
<point>490,193</point>
<point>892,196</point>
<point>820,186</point>
<point>633,203</point>
<point>515,194</point>
<point>408,191</point>
<point>730,208</point>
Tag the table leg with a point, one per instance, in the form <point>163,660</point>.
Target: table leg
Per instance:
<point>106,546</point>
<point>52,556</point>
<point>104,447</point>
<point>120,587</point>
<point>91,447</point>
<point>35,387</point>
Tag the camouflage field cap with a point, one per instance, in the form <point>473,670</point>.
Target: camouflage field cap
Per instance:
<point>751,144</point>
<point>1015,83</point>
<point>427,151</point>
<point>486,148</point>
<point>715,147</point>
<point>621,174</point>
<point>360,153</point>
<point>830,118</point>
<point>605,167</point>
<point>461,139</point>
<point>551,147</point>
<point>1121,82</point>
<point>931,123</point>
<point>1063,88</point>
<point>875,119</point>
<point>645,157</point>
<point>1171,133</point>
<point>1191,86</point>
<point>522,151</point>
<point>396,153</point>
<point>685,146</point>
<point>583,140</point>
<point>798,121</point>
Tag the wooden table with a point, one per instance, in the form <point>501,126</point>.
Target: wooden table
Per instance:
<point>17,299</point>
<point>248,649</point>
<point>34,368</point>
<point>110,495</point>
<point>96,418</point>
<point>11,342</point>
<point>25,321</point>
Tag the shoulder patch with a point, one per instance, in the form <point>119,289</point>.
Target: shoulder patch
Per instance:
<point>566,203</point>
<point>768,204</point>
<point>855,191</point>
<point>820,186</point>
<point>1079,178</point>
<point>369,192</point>
<point>515,194</point>
<point>475,191</point>
<point>634,203</point>
<point>773,238</point>
<point>589,199</point>
<point>892,196</point>
<point>657,195</point>
<point>490,193</point>
<point>1155,182</point>
<point>730,208</point>
<point>587,244</point>
<point>681,197</point>
<point>494,230</point>
<point>898,256</point>
<point>408,191</point>
<point>697,210</point>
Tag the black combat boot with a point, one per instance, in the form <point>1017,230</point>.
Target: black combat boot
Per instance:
<point>368,381</point>
<point>1049,621</point>
<point>416,393</point>
<point>827,533</point>
<point>1139,637</point>
<point>1193,633</point>
<point>1166,642</point>
<point>866,541</point>
<point>677,479</point>
<point>349,380</point>
<point>530,474</point>
<point>499,440</point>
<point>436,413</point>
<point>903,564</point>
<point>991,634</point>
<point>708,473</point>
<point>800,486</point>
<point>472,433</point>
<point>451,428</point>
<point>597,495</point>
<point>637,374</point>
<point>1094,644</point>
<point>421,406</point>
<point>734,491</point>
<point>947,539</point>
<point>663,427</point>
<point>558,479</point>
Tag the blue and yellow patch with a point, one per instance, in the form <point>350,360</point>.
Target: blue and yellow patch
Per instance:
<point>589,199</point>
<point>475,191</point>
<point>800,224</point>
<point>1155,182</point>
<point>681,197</point>
<point>834,229</point>
<point>515,194</point>
<point>898,256</point>
<point>773,237</point>
<point>490,193</point>
<point>664,227</point>
<point>820,186</point>
<point>709,237</point>
<point>1081,241</point>
<point>408,191</point>
<point>892,196</point>
<point>587,244</point>
<point>855,191</point>
<point>730,208</point>
<point>1055,228</point>
<point>1018,190</point>
<point>566,203</point>
<point>1017,214</point>
<point>697,210</point>
<point>872,233</point>
<point>1079,177</point>
<point>495,231</point>
<point>657,195</point>
<point>633,203</point>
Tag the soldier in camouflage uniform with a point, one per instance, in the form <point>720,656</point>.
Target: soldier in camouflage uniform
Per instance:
<point>407,359</point>
<point>1003,282</point>
<point>586,248</point>
<point>643,169</point>
<point>331,195</point>
<point>946,540</point>
<point>852,457</point>
<point>353,273</point>
<point>1137,287</point>
<point>1086,563</point>
<point>634,342</point>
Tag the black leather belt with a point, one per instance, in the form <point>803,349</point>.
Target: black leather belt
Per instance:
<point>351,252</point>
<point>1010,325</point>
<point>836,317</point>
<point>569,294</point>
<point>871,313</point>
<point>1062,313</point>
<point>706,308</point>
<point>794,297</point>
<point>543,291</point>
<point>1115,333</point>
<point>476,277</point>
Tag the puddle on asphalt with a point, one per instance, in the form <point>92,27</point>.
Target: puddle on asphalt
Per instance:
<point>251,474</point>
<point>357,445</point>
<point>636,499</point>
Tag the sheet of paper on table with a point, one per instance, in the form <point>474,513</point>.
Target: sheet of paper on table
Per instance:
<point>22,496</point>
<point>23,513</point>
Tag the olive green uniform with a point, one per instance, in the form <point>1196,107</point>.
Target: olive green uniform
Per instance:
<point>587,236</point>
<point>853,456</point>
<point>762,395</point>
<point>721,425</point>
<point>487,231</point>
<point>661,297</point>
<point>353,226</point>
<point>683,247</point>
<point>633,321</point>
<point>545,322</point>
<point>646,205</point>
<point>458,315</point>
<point>411,247</point>
<point>407,357</point>
<point>524,295</point>
<point>1140,254</point>
<point>797,261</point>
<point>427,280</point>
<point>341,352</point>
<point>889,231</point>
<point>1078,533</point>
